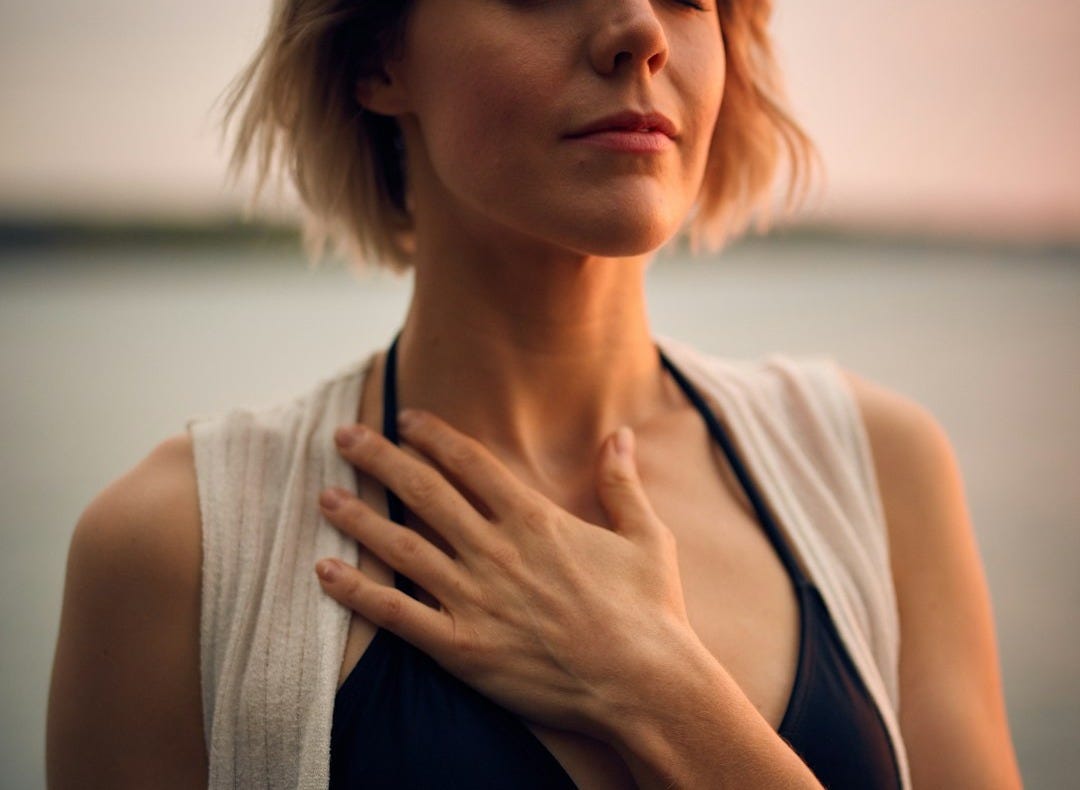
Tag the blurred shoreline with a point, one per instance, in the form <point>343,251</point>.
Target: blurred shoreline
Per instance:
<point>235,232</point>
<point>113,336</point>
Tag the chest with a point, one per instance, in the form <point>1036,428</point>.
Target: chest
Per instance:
<point>739,597</point>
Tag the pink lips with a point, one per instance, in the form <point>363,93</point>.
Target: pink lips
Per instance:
<point>632,132</point>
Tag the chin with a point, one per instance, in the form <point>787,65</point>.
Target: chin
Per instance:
<point>624,234</point>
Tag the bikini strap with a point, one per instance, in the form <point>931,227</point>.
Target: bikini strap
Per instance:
<point>395,507</point>
<point>720,436</point>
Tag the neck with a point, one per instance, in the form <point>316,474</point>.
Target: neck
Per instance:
<point>539,357</point>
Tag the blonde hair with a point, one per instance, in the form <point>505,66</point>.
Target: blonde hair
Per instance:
<point>300,117</point>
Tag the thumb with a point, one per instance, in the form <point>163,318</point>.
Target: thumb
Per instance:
<point>619,487</point>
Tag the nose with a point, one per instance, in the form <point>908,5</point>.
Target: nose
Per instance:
<point>629,36</point>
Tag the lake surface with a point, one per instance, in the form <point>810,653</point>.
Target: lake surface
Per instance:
<point>103,354</point>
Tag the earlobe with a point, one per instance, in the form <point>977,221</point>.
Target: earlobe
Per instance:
<point>380,93</point>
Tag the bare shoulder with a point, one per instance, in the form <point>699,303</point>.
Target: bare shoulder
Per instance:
<point>914,462</point>
<point>952,708</point>
<point>125,704</point>
<point>151,512</point>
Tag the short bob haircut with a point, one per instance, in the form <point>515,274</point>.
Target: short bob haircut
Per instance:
<point>299,115</point>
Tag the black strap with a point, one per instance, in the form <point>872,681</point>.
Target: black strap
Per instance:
<point>720,435</point>
<point>394,506</point>
<point>396,509</point>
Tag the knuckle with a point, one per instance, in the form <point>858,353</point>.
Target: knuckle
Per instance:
<point>467,644</point>
<point>422,488</point>
<point>403,546</point>
<point>461,455</point>
<point>356,594</point>
<point>370,450</point>
<point>618,478</point>
<point>506,556</point>
<point>535,519</point>
<point>354,515</point>
<point>464,590</point>
<point>390,611</point>
<point>484,601</point>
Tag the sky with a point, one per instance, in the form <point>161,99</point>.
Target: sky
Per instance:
<point>931,115</point>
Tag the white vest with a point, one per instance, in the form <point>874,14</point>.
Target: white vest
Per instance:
<point>272,642</point>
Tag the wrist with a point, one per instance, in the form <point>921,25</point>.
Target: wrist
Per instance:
<point>631,708</point>
<point>678,719</point>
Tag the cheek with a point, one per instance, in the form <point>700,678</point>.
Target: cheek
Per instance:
<point>480,114</point>
<point>702,85</point>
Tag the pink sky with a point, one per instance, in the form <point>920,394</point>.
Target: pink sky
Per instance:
<point>953,115</point>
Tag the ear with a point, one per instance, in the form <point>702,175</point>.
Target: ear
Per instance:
<point>382,93</point>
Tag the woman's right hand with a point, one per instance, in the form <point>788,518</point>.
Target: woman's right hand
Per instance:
<point>551,616</point>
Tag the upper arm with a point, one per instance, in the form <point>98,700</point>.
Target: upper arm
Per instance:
<point>952,707</point>
<point>125,706</point>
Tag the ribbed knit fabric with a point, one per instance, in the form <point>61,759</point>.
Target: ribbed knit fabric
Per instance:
<point>272,643</point>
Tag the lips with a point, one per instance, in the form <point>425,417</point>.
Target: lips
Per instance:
<point>629,121</point>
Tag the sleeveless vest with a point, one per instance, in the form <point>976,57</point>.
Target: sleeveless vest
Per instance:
<point>272,642</point>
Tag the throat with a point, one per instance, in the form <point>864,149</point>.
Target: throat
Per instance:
<point>548,414</point>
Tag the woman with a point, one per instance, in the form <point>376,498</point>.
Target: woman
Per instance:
<point>571,555</point>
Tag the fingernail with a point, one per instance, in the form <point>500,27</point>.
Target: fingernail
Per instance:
<point>330,499</point>
<point>348,435</point>
<point>406,419</point>
<point>624,441</point>
<point>327,570</point>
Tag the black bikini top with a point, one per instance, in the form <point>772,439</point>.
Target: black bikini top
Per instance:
<point>401,721</point>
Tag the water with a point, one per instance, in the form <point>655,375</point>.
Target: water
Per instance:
<point>103,354</point>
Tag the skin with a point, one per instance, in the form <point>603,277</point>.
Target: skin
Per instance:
<point>529,279</point>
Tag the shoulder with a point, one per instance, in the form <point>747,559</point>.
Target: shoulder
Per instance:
<point>144,527</point>
<point>139,539</point>
<point>125,701</point>
<point>901,430</point>
<point>916,467</point>
<point>918,477</point>
<point>952,710</point>
<point>147,517</point>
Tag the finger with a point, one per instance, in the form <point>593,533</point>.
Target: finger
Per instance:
<point>620,490</point>
<point>423,490</point>
<point>387,607</point>
<point>401,548</point>
<point>468,460</point>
